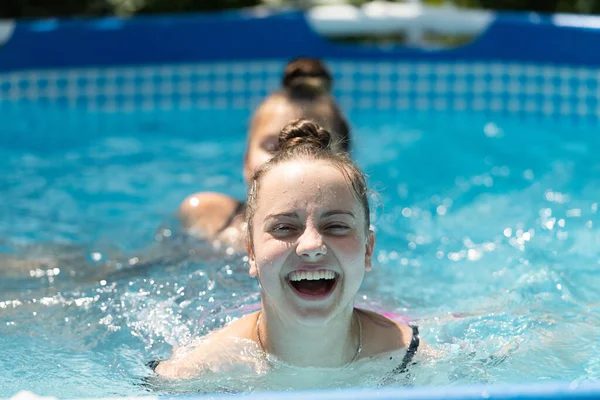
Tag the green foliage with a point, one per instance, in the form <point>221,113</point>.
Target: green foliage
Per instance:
<point>66,8</point>
<point>178,6</point>
<point>54,8</point>
<point>69,8</point>
<point>545,6</point>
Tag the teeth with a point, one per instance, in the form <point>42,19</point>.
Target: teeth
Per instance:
<point>312,275</point>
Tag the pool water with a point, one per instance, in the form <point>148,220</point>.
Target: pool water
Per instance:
<point>488,238</point>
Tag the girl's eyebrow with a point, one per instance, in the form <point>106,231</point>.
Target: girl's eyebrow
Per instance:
<point>324,215</point>
<point>270,138</point>
<point>279,215</point>
<point>336,212</point>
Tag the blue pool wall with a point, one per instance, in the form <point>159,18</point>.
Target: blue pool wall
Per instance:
<point>525,64</point>
<point>544,391</point>
<point>233,36</point>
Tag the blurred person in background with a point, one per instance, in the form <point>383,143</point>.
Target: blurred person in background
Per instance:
<point>305,93</point>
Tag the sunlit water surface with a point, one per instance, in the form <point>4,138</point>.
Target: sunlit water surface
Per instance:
<point>487,238</point>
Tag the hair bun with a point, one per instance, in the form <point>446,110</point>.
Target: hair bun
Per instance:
<point>308,76</point>
<point>304,132</point>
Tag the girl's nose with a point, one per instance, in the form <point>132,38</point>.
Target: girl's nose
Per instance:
<point>311,246</point>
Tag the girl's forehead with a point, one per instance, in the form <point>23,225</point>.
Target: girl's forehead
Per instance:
<point>273,116</point>
<point>308,183</point>
<point>278,111</point>
<point>306,172</point>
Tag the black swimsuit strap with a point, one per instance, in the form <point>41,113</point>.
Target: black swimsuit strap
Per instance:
<point>239,209</point>
<point>410,352</point>
<point>152,364</point>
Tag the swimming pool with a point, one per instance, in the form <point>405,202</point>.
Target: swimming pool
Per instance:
<point>486,237</point>
<point>487,219</point>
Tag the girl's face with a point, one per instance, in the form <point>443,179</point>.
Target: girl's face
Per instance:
<point>268,122</point>
<point>310,242</point>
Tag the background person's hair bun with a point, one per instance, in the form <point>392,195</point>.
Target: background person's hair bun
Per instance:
<point>307,76</point>
<point>304,132</point>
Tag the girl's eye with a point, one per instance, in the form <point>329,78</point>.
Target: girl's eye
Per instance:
<point>271,145</point>
<point>337,228</point>
<point>280,230</point>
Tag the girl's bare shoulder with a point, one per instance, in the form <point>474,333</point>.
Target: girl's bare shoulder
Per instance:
<point>206,213</point>
<point>208,351</point>
<point>385,335</point>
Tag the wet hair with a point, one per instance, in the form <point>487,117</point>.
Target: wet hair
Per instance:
<point>303,139</point>
<point>309,79</point>
<point>306,77</point>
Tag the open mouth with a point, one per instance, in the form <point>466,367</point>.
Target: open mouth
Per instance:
<point>314,283</point>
